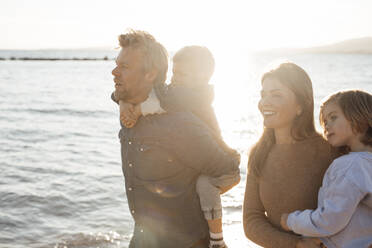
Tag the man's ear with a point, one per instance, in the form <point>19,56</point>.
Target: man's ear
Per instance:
<point>151,75</point>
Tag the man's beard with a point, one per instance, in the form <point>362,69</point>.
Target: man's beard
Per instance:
<point>121,95</point>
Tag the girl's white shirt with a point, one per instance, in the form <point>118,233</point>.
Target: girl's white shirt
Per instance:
<point>344,214</point>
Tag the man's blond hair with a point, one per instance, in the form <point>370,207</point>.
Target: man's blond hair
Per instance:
<point>154,54</point>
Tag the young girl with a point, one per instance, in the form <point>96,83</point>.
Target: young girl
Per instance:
<point>344,214</point>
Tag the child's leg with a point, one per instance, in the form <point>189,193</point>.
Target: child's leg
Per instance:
<point>210,202</point>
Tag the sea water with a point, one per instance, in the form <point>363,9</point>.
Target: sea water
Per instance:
<point>61,182</point>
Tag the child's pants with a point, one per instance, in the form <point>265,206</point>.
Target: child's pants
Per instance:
<point>208,189</point>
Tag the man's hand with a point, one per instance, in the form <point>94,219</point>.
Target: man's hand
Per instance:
<point>310,243</point>
<point>283,222</point>
<point>129,114</point>
<point>225,188</point>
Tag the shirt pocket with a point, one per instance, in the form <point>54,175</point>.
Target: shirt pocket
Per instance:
<point>155,162</point>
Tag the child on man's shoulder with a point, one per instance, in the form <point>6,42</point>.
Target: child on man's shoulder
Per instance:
<point>189,90</point>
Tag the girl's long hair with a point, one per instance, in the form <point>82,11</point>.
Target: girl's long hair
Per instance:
<point>356,105</point>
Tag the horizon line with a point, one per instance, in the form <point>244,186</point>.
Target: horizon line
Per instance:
<point>107,48</point>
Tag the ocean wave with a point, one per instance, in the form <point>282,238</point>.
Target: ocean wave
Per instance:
<point>52,204</point>
<point>82,240</point>
<point>62,112</point>
<point>56,58</point>
<point>9,222</point>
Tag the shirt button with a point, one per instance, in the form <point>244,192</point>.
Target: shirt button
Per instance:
<point>130,189</point>
<point>141,230</point>
<point>130,142</point>
<point>141,149</point>
<point>132,211</point>
<point>130,165</point>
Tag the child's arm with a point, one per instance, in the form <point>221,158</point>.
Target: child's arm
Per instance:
<point>228,181</point>
<point>129,114</point>
<point>125,110</point>
<point>340,198</point>
<point>224,189</point>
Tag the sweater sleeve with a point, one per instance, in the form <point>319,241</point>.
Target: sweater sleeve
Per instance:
<point>340,198</point>
<point>257,226</point>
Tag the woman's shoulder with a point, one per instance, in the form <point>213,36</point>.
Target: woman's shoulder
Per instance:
<point>324,151</point>
<point>311,143</point>
<point>318,141</point>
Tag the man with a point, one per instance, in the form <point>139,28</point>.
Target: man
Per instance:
<point>163,154</point>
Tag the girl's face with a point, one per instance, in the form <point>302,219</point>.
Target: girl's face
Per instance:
<point>337,128</point>
<point>277,105</point>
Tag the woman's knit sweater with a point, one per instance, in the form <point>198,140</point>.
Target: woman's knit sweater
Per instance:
<point>289,181</point>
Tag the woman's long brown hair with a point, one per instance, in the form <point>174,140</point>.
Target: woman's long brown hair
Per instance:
<point>297,80</point>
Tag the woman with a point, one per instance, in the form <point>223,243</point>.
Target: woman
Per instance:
<point>286,166</point>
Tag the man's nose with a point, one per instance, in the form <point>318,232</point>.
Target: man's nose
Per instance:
<point>115,72</point>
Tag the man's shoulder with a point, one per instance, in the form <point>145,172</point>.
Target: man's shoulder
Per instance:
<point>176,117</point>
<point>183,122</point>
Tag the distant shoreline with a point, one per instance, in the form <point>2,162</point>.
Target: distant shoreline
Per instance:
<point>55,59</point>
<point>352,46</point>
<point>300,51</point>
<point>106,58</point>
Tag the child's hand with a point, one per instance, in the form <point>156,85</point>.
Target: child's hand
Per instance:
<point>283,222</point>
<point>310,243</point>
<point>128,114</point>
<point>137,111</point>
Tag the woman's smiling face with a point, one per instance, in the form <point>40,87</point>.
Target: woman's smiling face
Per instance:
<point>278,104</point>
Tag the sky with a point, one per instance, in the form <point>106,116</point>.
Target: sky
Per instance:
<point>245,24</point>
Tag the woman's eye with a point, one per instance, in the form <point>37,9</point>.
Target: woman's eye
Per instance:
<point>333,117</point>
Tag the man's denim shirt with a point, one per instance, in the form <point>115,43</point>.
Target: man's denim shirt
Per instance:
<point>162,157</point>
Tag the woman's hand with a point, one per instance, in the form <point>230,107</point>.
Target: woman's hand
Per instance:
<point>283,222</point>
<point>310,243</point>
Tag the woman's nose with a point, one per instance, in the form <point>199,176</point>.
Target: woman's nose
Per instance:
<point>264,101</point>
<point>260,104</point>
